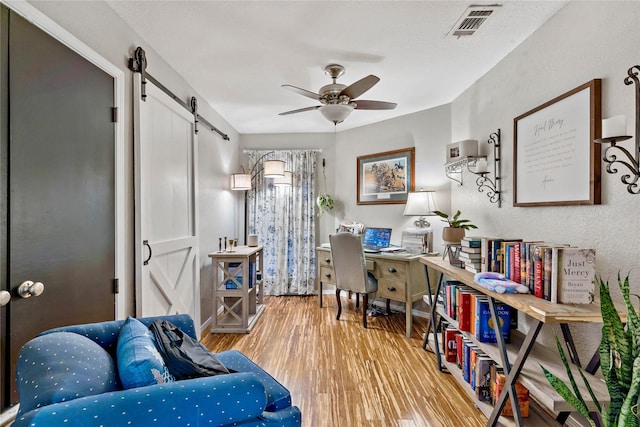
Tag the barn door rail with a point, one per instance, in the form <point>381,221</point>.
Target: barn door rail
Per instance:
<point>138,64</point>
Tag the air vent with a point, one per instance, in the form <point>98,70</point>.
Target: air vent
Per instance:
<point>472,19</point>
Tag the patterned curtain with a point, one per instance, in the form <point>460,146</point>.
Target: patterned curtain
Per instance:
<point>283,217</point>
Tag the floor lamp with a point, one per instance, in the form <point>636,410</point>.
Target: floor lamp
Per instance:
<point>273,169</point>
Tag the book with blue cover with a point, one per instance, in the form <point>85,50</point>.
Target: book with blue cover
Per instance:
<point>484,330</point>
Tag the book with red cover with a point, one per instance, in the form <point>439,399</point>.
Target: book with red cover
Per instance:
<point>538,272</point>
<point>464,310</point>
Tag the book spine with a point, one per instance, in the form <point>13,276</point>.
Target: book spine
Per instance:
<point>484,255</point>
<point>516,263</point>
<point>538,288</point>
<point>546,279</point>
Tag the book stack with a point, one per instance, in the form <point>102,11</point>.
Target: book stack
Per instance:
<point>470,253</point>
<point>470,309</point>
<point>555,272</point>
<point>498,380</point>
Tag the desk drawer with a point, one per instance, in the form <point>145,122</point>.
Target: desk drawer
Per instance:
<point>324,258</point>
<point>391,270</point>
<point>327,275</point>
<point>392,289</point>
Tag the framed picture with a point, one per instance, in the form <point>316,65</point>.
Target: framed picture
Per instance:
<point>554,156</point>
<point>385,177</point>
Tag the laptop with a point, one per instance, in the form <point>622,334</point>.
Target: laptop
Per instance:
<point>376,239</point>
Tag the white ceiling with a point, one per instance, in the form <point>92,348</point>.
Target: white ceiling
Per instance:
<point>237,54</point>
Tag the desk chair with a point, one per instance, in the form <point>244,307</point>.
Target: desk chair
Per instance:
<point>350,270</point>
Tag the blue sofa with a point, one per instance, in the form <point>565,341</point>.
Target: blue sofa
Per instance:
<point>65,379</point>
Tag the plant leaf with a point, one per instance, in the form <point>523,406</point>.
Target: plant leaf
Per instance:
<point>563,390</point>
<point>627,418</point>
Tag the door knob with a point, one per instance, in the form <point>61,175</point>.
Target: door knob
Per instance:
<point>28,289</point>
<point>5,297</point>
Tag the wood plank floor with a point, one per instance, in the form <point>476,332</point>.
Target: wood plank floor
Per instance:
<point>340,374</point>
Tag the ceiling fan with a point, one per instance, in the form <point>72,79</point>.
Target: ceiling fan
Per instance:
<point>338,100</point>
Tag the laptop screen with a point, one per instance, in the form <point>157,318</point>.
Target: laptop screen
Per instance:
<point>379,237</point>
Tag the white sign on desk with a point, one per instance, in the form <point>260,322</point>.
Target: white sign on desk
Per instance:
<point>554,153</point>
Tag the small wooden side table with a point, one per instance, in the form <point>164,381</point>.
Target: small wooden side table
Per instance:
<point>237,289</point>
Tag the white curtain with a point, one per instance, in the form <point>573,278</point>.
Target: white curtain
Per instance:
<point>283,217</point>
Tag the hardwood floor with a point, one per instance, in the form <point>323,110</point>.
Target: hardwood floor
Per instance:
<point>340,374</point>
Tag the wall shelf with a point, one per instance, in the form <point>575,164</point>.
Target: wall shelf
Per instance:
<point>454,171</point>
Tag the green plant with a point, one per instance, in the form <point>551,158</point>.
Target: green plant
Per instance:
<point>455,220</point>
<point>325,203</point>
<point>619,363</point>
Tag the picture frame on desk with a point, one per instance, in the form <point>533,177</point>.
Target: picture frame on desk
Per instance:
<point>385,178</point>
<point>554,153</point>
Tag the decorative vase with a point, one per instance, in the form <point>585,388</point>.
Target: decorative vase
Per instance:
<point>452,235</point>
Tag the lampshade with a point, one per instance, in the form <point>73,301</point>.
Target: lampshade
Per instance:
<point>287,179</point>
<point>273,168</point>
<point>336,113</point>
<point>420,203</point>
<point>240,181</point>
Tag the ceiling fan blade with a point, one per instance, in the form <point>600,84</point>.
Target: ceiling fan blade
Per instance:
<point>303,92</point>
<point>300,110</point>
<point>361,86</point>
<point>374,105</point>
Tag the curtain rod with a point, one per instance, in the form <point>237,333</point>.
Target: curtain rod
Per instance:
<point>138,64</point>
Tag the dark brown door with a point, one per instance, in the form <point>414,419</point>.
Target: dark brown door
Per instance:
<point>59,199</point>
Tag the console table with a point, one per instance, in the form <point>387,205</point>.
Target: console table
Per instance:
<point>400,277</point>
<point>239,294</point>
<point>525,355</point>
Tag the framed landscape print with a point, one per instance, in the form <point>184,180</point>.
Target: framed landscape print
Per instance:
<point>555,156</point>
<point>385,177</point>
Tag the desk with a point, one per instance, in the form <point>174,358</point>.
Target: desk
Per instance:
<point>400,277</point>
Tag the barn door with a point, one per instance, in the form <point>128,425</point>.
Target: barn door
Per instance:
<point>167,279</point>
<point>58,189</point>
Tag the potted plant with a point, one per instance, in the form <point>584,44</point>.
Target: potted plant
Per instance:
<point>619,352</point>
<point>324,201</point>
<point>456,230</point>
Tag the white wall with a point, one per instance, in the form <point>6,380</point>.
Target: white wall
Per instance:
<point>101,29</point>
<point>425,131</point>
<point>585,40</point>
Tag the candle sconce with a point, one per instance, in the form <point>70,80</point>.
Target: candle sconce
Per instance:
<point>484,183</point>
<point>613,131</point>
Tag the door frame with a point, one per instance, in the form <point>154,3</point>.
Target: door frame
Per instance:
<point>46,24</point>
<point>40,20</point>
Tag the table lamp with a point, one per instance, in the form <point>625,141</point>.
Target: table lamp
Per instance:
<point>420,204</point>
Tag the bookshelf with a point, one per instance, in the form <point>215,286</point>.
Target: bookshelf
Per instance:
<point>238,297</point>
<point>522,357</point>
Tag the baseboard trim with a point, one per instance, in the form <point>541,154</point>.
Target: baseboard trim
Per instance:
<point>7,417</point>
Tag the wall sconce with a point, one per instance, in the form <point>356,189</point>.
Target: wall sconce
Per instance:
<point>614,130</point>
<point>483,181</point>
<point>421,204</point>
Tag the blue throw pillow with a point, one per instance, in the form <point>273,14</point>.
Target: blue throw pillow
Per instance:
<point>139,363</point>
<point>63,366</point>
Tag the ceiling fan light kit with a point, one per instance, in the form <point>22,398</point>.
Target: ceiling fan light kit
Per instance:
<point>338,100</point>
<point>336,113</point>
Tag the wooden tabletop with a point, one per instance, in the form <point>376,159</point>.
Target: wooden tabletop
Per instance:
<point>538,308</point>
<point>238,251</point>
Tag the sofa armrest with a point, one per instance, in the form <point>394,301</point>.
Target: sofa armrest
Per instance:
<point>210,401</point>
